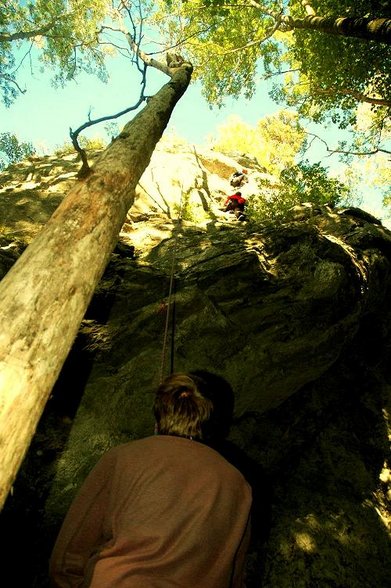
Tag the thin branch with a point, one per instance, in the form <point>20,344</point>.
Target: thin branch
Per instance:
<point>85,168</point>
<point>139,32</point>
<point>28,53</point>
<point>124,51</point>
<point>10,78</point>
<point>149,61</point>
<point>345,152</point>
<point>267,36</point>
<point>259,6</point>
<point>279,73</point>
<point>183,41</point>
<point>12,81</point>
<point>355,94</point>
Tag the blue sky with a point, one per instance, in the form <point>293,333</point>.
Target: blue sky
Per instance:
<point>44,114</point>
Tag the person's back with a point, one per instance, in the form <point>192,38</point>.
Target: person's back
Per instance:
<point>238,178</point>
<point>164,511</point>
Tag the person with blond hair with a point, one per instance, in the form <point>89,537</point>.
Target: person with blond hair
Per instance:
<point>164,511</point>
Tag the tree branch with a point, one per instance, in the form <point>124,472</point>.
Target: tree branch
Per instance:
<point>259,6</point>
<point>13,81</point>
<point>375,29</point>
<point>355,94</point>
<point>184,40</point>
<point>347,152</point>
<point>267,36</point>
<point>85,168</point>
<point>147,59</point>
<point>6,37</point>
<point>148,62</point>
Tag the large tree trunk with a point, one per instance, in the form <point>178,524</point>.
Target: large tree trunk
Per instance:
<point>375,29</point>
<point>44,296</point>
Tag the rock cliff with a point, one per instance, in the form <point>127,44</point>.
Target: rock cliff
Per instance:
<point>296,316</point>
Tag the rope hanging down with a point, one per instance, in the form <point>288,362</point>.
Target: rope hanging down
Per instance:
<point>171,304</point>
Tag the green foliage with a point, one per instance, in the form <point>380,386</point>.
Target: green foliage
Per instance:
<point>13,150</point>
<point>335,73</point>
<point>61,33</point>
<point>222,43</point>
<point>276,142</point>
<point>311,183</point>
<point>323,76</point>
<point>265,140</point>
<point>301,183</point>
<point>88,144</point>
<point>387,202</point>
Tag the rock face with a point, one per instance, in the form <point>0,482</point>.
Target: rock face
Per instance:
<point>296,317</point>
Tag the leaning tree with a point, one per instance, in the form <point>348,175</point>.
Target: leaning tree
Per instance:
<point>44,296</point>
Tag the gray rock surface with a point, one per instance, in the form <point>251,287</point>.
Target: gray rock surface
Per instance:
<point>295,316</point>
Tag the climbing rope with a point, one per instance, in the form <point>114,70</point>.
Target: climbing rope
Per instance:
<point>171,304</point>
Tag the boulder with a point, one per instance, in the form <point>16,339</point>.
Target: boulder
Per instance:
<point>296,316</point>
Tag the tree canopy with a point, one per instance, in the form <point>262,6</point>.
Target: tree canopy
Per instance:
<point>263,140</point>
<point>330,75</point>
<point>61,34</point>
<point>326,57</point>
<point>12,150</point>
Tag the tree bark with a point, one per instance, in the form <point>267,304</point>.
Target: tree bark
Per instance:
<point>375,29</point>
<point>44,296</point>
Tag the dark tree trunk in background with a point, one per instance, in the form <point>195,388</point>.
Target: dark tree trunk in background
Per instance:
<point>371,29</point>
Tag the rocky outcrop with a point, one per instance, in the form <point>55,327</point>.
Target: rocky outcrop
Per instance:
<point>295,316</point>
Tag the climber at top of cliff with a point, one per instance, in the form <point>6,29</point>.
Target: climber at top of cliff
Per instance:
<point>238,178</point>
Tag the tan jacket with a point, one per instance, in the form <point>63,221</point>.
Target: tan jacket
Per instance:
<point>160,512</point>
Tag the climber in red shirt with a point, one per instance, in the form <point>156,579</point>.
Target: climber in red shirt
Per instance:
<point>236,203</point>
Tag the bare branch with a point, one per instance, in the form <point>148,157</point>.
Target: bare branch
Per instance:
<point>28,53</point>
<point>149,61</point>
<point>347,152</point>
<point>355,94</point>
<point>85,168</point>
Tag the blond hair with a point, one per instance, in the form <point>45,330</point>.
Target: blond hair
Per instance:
<point>180,408</point>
